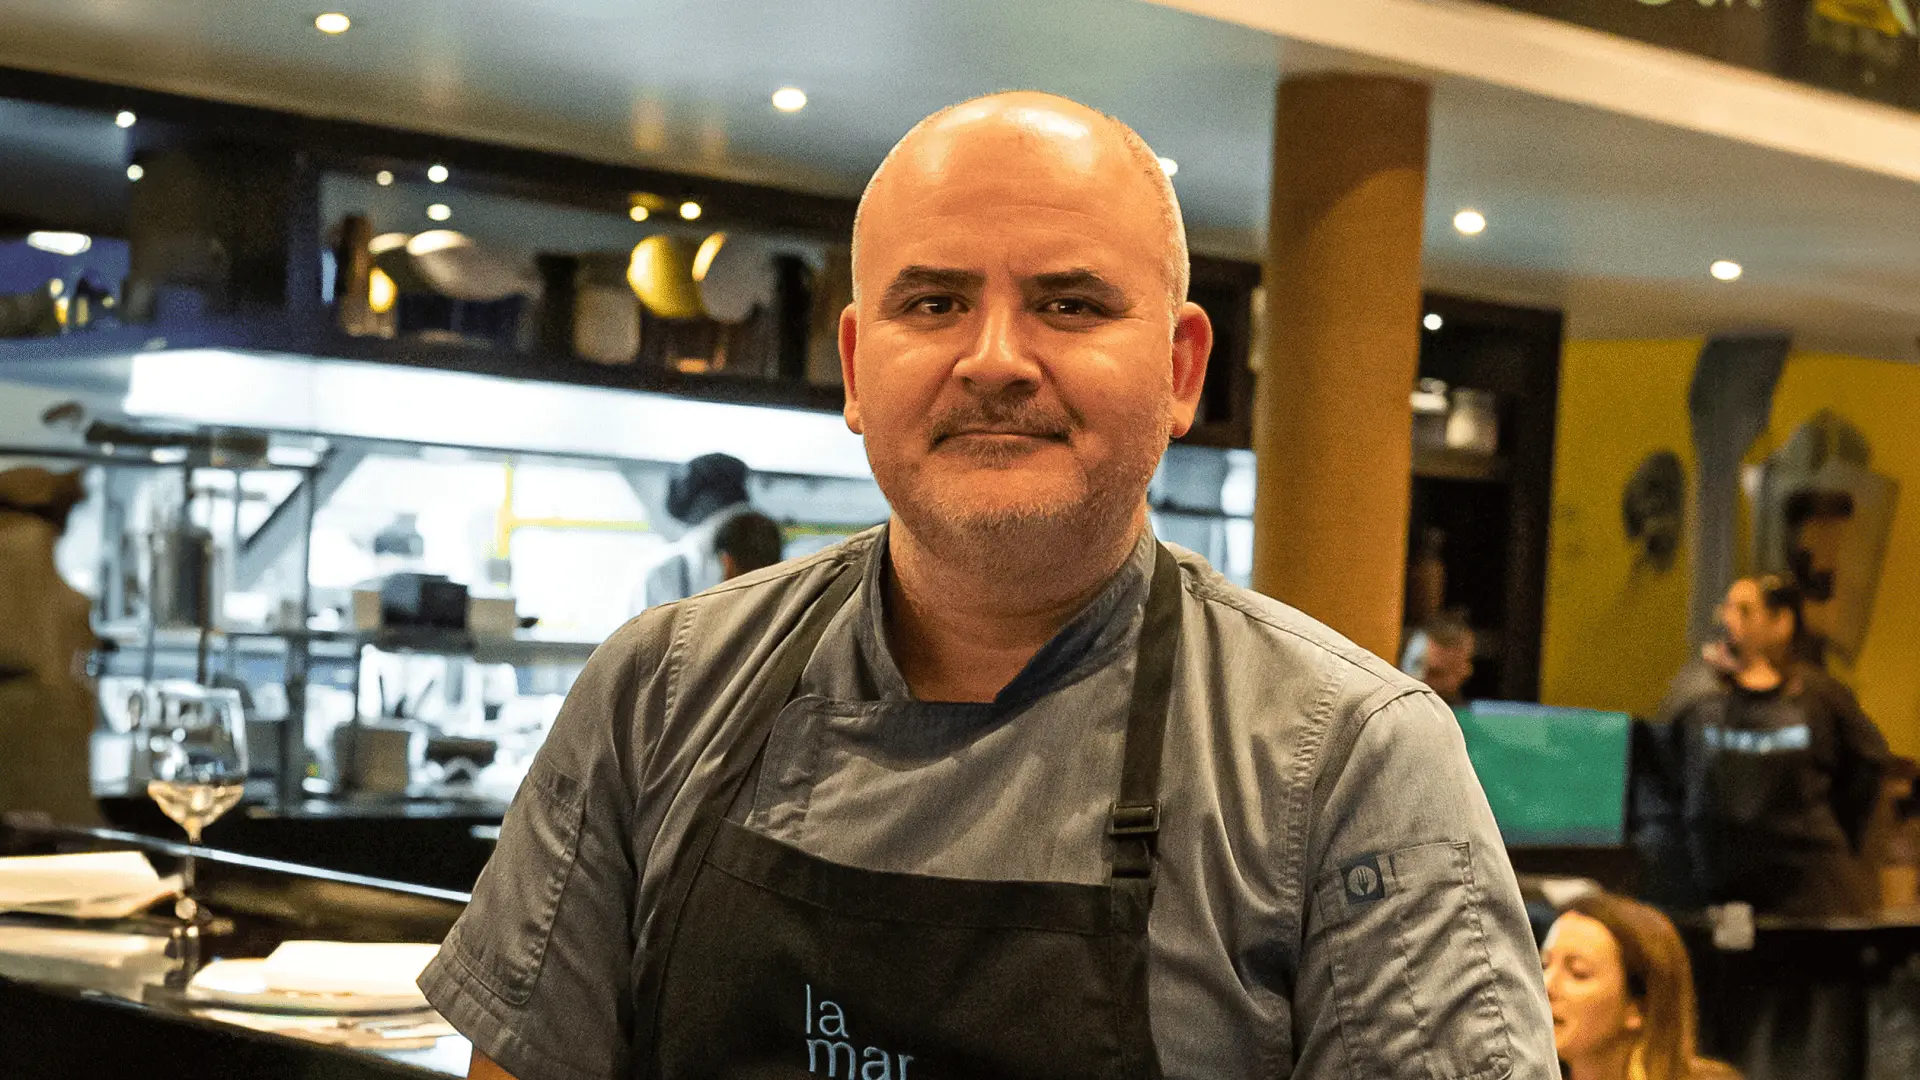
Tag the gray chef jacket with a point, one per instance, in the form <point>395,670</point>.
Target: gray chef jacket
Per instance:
<point>1333,900</point>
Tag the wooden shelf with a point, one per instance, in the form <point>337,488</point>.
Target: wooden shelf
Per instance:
<point>99,352</point>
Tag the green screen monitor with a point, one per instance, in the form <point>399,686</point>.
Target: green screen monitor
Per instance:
<point>1554,777</point>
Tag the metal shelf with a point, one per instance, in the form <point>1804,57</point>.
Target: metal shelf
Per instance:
<point>523,648</point>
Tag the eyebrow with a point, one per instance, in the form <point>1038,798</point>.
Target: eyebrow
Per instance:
<point>913,279</point>
<point>1086,282</point>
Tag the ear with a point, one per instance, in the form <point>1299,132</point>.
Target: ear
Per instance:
<point>729,569</point>
<point>849,337</point>
<point>1192,345</point>
<point>1635,1020</point>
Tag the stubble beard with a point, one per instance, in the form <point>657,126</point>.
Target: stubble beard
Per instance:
<point>1025,537</point>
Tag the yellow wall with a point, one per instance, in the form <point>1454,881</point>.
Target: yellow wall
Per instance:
<point>1883,400</point>
<point>1615,633</point>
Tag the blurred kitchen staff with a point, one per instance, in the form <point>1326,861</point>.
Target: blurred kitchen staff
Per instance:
<point>46,704</point>
<point>905,805</point>
<point>704,494</point>
<point>747,542</point>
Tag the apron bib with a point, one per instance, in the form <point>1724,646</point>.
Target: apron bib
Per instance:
<point>774,963</point>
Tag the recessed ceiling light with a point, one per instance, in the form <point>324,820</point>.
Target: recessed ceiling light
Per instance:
<point>1433,321</point>
<point>690,210</point>
<point>135,172</point>
<point>1726,270</point>
<point>439,211</point>
<point>1169,166</point>
<point>789,99</point>
<point>124,119</point>
<point>332,22</point>
<point>384,178</point>
<point>437,173</point>
<point>1470,222</point>
<point>638,213</point>
<point>60,243</point>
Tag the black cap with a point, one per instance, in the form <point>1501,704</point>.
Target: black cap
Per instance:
<point>706,484</point>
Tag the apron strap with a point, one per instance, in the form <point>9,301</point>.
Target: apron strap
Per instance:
<point>1134,822</point>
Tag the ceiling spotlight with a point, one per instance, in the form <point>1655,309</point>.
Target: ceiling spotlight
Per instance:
<point>1169,166</point>
<point>332,22</point>
<point>439,211</point>
<point>437,173</point>
<point>135,172</point>
<point>124,119</point>
<point>1470,222</point>
<point>1726,270</point>
<point>384,178</point>
<point>690,210</point>
<point>789,99</point>
<point>638,213</point>
<point>1433,321</point>
<point>60,243</point>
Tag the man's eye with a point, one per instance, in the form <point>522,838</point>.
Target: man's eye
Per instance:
<point>1071,307</point>
<point>933,305</point>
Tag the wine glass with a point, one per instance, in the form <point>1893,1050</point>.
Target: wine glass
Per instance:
<point>196,743</point>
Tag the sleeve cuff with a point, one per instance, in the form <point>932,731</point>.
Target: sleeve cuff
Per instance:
<point>459,996</point>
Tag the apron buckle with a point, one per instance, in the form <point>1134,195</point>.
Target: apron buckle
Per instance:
<point>1141,821</point>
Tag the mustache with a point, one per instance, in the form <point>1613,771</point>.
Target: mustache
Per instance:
<point>1024,416</point>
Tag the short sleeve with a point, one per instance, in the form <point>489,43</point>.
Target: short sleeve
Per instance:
<point>1418,960</point>
<point>536,971</point>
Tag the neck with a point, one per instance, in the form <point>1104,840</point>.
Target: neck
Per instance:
<point>962,624</point>
<point>1608,1063</point>
<point>1759,673</point>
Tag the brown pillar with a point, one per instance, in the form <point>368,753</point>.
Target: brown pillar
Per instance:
<point>1333,428</point>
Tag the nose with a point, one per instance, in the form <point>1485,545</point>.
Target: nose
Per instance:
<point>997,359</point>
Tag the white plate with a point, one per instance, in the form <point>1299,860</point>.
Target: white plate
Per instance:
<point>242,984</point>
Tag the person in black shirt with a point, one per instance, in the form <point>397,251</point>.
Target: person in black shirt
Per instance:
<point>1771,768</point>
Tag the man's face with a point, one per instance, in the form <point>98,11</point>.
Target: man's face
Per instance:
<point>1013,358</point>
<point>1752,629</point>
<point>1449,667</point>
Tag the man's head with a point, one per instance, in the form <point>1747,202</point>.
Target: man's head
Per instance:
<point>747,542</point>
<point>1019,350</point>
<point>1448,664</point>
<point>1762,616</point>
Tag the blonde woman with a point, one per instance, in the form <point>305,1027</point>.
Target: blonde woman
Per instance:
<point>1621,992</point>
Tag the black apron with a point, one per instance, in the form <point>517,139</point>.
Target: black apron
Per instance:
<point>770,962</point>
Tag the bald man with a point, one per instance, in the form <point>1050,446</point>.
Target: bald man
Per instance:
<point>1005,787</point>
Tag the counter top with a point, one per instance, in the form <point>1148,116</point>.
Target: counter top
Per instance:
<point>125,1018</point>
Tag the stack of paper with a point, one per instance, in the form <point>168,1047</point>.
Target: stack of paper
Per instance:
<point>319,977</point>
<point>99,885</point>
<point>117,963</point>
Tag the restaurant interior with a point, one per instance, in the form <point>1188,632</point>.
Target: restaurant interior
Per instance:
<point>356,360</point>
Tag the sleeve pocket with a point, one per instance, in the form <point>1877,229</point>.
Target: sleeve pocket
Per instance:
<point>1412,980</point>
<point>504,932</point>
